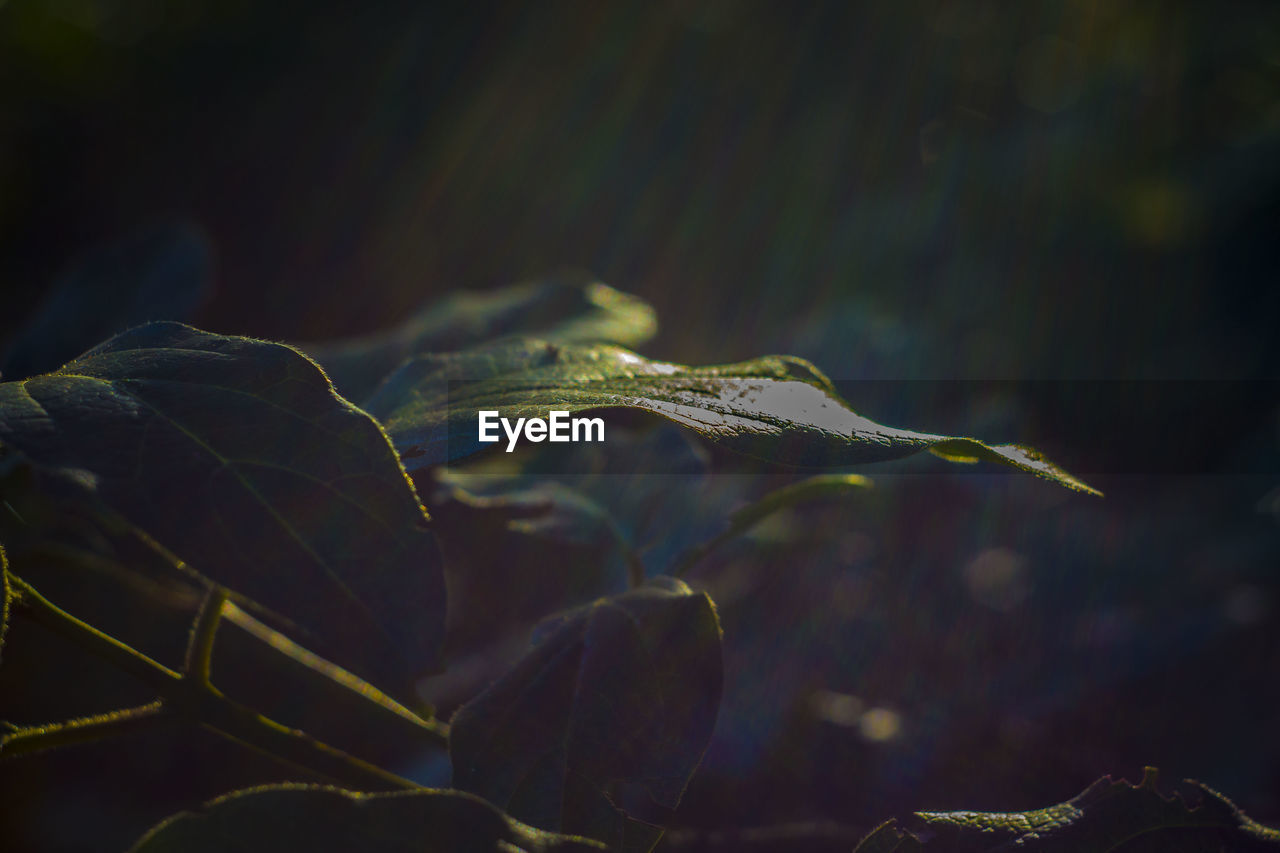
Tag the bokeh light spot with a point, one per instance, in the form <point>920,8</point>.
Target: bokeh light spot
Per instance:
<point>997,579</point>
<point>839,708</point>
<point>880,724</point>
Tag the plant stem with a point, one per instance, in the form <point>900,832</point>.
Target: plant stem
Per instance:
<point>246,726</point>
<point>203,632</point>
<point>40,610</point>
<point>28,739</point>
<point>306,664</point>
<point>200,701</point>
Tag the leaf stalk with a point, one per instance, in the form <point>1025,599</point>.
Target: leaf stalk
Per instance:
<point>186,695</point>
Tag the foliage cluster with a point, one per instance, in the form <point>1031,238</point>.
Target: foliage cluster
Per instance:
<point>306,507</point>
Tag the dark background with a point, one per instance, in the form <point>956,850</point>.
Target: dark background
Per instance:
<point>962,194</point>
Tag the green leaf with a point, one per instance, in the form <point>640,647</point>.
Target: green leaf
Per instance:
<point>1107,816</point>
<point>778,408</point>
<point>744,518</point>
<point>492,529</point>
<point>651,482</point>
<point>524,505</point>
<point>597,730</point>
<point>568,308</point>
<point>314,818</point>
<point>55,517</point>
<point>237,456</point>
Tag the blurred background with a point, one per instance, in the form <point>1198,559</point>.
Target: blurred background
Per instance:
<point>1050,222</point>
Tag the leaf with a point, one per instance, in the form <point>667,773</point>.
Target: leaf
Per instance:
<point>315,818</point>
<point>161,273</point>
<point>778,408</point>
<point>111,575</point>
<point>525,505</point>
<point>744,518</point>
<point>1107,816</point>
<point>492,529</point>
<point>569,308</point>
<point>63,539</point>
<point>237,456</point>
<point>652,482</point>
<point>597,730</point>
<point>54,516</point>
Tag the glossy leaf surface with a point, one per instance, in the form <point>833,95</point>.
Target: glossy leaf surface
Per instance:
<point>775,407</point>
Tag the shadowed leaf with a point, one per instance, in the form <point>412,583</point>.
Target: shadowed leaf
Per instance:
<point>597,730</point>
<point>576,545</point>
<point>1107,817</point>
<point>778,408</point>
<point>237,456</point>
<point>55,515</point>
<point>651,482</point>
<point>61,537</point>
<point>314,818</point>
<point>538,509</point>
<point>566,309</point>
<point>111,574</point>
